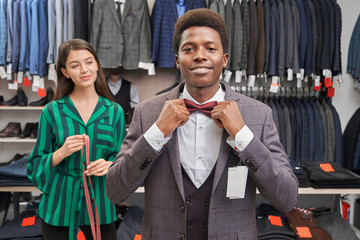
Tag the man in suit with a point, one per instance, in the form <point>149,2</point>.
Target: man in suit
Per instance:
<point>190,163</point>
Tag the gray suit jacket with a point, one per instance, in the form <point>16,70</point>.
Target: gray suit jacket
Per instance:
<point>124,44</point>
<point>164,216</point>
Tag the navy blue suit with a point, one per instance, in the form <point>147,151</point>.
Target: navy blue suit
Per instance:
<point>163,18</point>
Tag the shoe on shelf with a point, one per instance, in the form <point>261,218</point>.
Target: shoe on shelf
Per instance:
<point>43,101</point>
<point>19,99</point>
<point>14,159</point>
<point>27,130</point>
<point>34,130</point>
<point>1,98</point>
<point>13,129</point>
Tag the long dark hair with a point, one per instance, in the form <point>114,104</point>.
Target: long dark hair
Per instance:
<point>65,85</point>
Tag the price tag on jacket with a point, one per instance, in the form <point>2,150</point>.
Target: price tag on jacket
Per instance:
<point>3,74</point>
<point>236,184</point>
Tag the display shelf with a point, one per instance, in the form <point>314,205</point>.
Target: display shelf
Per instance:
<point>17,140</point>
<point>21,108</point>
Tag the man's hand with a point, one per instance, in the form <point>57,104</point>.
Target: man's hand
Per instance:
<point>227,115</point>
<point>174,114</point>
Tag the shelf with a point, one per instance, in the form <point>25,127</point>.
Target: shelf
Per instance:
<point>142,190</point>
<point>21,108</point>
<point>17,140</point>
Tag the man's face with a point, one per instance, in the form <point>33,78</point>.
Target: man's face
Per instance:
<point>200,57</point>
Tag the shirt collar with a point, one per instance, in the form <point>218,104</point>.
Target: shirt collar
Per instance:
<point>121,1</point>
<point>218,96</point>
<point>117,84</point>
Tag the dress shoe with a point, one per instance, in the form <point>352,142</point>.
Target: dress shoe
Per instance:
<point>14,159</point>
<point>27,130</point>
<point>1,99</point>
<point>34,130</point>
<point>13,129</point>
<point>43,101</point>
<point>12,102</point>
<point>21,97</point>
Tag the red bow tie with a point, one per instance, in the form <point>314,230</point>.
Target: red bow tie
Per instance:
<point>204,108</point>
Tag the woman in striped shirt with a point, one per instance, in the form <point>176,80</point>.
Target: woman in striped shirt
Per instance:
<point>81,106</point>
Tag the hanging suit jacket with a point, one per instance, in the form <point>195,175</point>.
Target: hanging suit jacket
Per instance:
<point>126,43</point>
<point>163,19</point>
<point>165,214</point>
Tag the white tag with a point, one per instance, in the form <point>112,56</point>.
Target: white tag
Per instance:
<point>274,87</point>
<point>36,82</point>
<point>42,83</point>
<point>306,79</point>
<point>251,82</point>
<point>317,81</point>
<point>151,70</point>
<point>236,184</point>
<point>298,75</point>
<point>325,72</point>
<point>302,71</point>
<point>13,86</point>
<point>227,76</point>
<point>221,76</point>
<point>290,74</point>
<point>34,88</point>
<point>340,79</point>
<point>298,83</point>
<point>275,79</point>
<point>244,74</point>
<point>52,72</point>
<point>3,74</point>
<point>238,75</point>
<point>8,72</point>
<point>20,76</point>
<point>29,75</point>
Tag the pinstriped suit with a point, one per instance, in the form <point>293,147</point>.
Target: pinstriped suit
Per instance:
<point>124,44</point>
<point>3,31</point>
<point>63,201</point>
<point>245,14</point>
<point>237,37</point>
<point>138,162</point>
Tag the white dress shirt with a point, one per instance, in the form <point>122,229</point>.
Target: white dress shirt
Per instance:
<point>115,87</point>
<point>199,141</point>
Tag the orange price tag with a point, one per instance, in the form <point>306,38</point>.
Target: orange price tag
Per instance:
<point>275,220</point>
<point>28,221</point>
<point>80,236</point>
<point>304,232</point>
<point>327,167</point>
<point>317,88</point>
<point>41,92</point>
<point>26,82</point>
<point>137,237</point>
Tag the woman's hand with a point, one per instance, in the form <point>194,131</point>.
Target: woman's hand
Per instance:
<point>98,168</point>
<point>72,144</point>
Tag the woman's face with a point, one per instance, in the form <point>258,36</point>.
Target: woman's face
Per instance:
<point>81,67</point>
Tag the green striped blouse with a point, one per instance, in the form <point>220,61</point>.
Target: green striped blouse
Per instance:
<point>63,201</point>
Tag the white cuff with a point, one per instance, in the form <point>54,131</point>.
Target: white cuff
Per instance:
<point>242,139</point>
<point>156,138</point>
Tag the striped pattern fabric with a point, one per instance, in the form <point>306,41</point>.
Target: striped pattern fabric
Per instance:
<point>63,202</point>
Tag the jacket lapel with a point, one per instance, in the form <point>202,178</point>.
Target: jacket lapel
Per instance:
<point>113,12</point>
<point>225,148</point>
<point>125,12</point>
<point>101,110</point>
<point>70,111</point>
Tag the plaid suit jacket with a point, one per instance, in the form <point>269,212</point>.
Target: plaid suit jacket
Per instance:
<point>164,218</point>
<point>124,44</point>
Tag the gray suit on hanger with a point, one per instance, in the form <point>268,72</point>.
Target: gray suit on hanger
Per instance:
<point>124,44</point>
<point>237,37</point>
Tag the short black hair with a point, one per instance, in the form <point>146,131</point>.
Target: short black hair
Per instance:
<point>202,17</point>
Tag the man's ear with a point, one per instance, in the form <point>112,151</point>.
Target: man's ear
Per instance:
<point>177,62</point>
<point>63,70</point>
<point>225,60</point>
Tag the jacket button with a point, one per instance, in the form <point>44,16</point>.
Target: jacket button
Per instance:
<point>142,166</point>
<point>187,201</point>
<point>188,222</point>
<point>182,209</point>
<point>182,237</point>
